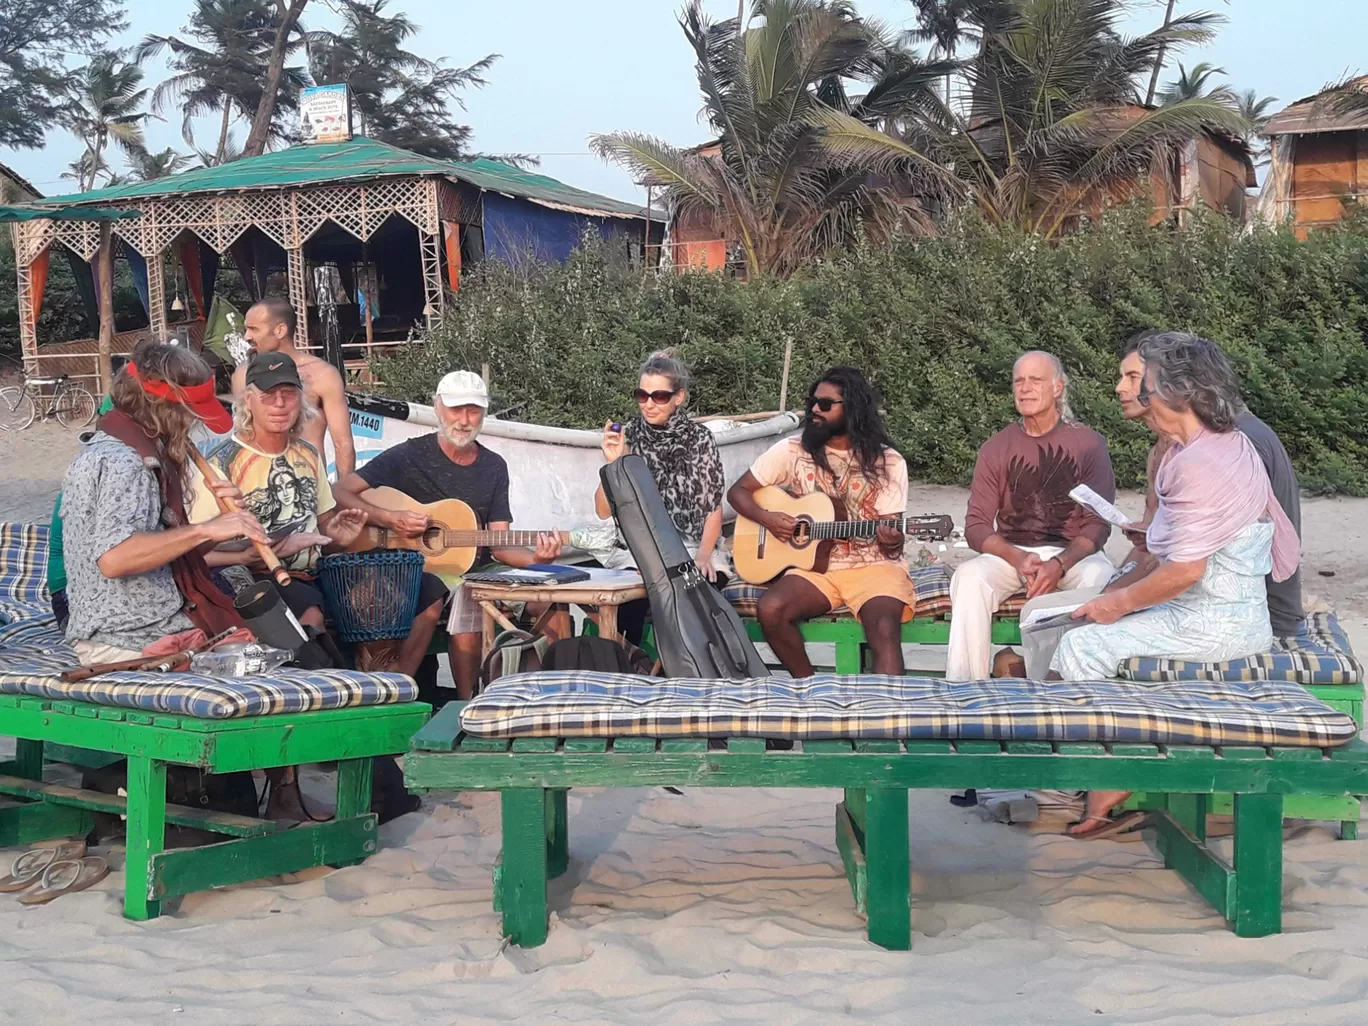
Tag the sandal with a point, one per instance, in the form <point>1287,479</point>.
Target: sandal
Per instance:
<point>29,866</point>
<point>67,877</point>
<point>1107,825</point>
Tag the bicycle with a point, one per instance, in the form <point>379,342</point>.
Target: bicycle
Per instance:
<point>72,405</point>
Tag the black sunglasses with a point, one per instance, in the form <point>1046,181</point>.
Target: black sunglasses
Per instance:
<point>823,403</point>
<point>660,396</point>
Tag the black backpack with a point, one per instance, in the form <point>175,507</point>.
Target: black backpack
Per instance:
<point>520,652</point>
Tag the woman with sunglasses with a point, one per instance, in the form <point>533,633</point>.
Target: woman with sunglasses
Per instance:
<point>684,463</point>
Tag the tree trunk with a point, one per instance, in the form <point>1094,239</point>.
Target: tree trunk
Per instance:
<point>105,268</point>
<point>223,131</point>
<point>1159,61</point>
<point>275,71</point>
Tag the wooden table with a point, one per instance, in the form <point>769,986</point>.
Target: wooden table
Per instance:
<point>599,598</point>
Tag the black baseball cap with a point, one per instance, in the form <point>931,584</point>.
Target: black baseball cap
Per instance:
<point>267,370</point>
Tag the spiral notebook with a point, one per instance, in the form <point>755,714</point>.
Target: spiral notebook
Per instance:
<point>531,575</point>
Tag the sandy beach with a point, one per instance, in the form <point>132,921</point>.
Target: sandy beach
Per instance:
<point>713,906</point>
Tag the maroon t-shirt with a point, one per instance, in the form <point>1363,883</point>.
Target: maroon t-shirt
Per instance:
<point>1021,487</point>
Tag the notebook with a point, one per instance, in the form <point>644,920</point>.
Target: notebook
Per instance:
<point>534,574</point>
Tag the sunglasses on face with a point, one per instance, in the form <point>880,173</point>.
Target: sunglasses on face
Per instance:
<point>823,403</point>
<point>660,397</point>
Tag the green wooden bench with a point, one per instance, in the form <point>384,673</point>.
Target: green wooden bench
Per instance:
<point>150,741</point>
<point>851,656</point>
<point>533,774</point>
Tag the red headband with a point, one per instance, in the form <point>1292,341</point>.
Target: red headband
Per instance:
<point>186,395</point>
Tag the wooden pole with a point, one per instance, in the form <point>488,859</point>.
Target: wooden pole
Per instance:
<point>1159,59</point>
<point>370,300</point>
<point>105,274</point>
<point>646,242</point>
<point>788,360</point>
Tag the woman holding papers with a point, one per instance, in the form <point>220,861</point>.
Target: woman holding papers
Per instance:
<point>1217,532</point>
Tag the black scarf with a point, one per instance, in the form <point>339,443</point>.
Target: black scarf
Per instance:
<point>686,468</point>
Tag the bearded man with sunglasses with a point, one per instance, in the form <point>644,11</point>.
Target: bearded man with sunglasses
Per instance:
<point>844,452</point>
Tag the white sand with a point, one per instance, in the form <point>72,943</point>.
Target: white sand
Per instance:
<point>714,907</point>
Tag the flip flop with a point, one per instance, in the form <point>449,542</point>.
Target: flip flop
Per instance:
<point>29,866</point>
<point>66,877</point>
<point>1108,827</point>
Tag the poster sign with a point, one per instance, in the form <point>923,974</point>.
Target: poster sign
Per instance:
<point>325,114</point>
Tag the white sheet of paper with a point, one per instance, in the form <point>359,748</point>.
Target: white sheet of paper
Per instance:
<point>1046,613</point>
<point>1085,496</point>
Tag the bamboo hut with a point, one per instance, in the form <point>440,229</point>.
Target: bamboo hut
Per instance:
<point>1319,160</point>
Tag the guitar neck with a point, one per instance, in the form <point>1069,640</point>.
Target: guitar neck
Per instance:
<point>823,530</point>
<point>497,539</point>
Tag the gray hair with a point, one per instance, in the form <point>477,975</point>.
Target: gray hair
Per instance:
<point>1062,407</point>
<point>242,413</point>
<point>1192,373</point>
<point>667,364</point>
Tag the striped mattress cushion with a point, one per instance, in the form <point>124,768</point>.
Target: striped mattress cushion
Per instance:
<point>589,704</point>
<point>931,583</point>
<point>1319,654</point>
<point>23,564</point>
<point>33,655</point>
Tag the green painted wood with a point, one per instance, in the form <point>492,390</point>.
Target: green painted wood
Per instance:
<point>745,745</point>
<point>28,758</point>
<point>888,857</point>
<point>585,745</point>
<point>887,745</point>
<point>354,777</point>
<point>1191,753</point>
<point>498,882</point>
<point>929,748</point>
<point>1189,810</point>
<point>853,859</point>
<point>9,768</point>
<point>113,804</point>
<point>855,809</point>
<point>87,758</point>
<point>848,656</point>
<point>483,744</point>
<point>1081,748</point>
<point>1028,748</point>
<point>1243,752</point>
<point>533,744</point>
<point>1298,806</point>
<point>1258,864</point>
<point>1302,754</point>
<point>146,835</point>
<point>339,842</point>
<point>683,744</point>
<point>440,733</point>
<point>634,745</point>
<point>1136,750</point>
<point>1349,830</point>
<point>523,880</point>
<point>828,747</point>
<point>1209,874</point>
<point>978,747</point>
<point>42,821</point>
<point>557,833</point>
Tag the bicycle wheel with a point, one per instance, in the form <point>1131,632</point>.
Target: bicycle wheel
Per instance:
<point>74,407</point>
<point>16,409</point>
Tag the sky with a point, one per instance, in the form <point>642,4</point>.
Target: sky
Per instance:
<point>569,70</point>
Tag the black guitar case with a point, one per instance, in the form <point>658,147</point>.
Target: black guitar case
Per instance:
<point>697,632</point>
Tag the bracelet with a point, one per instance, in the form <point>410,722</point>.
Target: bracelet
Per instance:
<point>1062,568</point>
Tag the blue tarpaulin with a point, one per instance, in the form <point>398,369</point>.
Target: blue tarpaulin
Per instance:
<point>516,229</point>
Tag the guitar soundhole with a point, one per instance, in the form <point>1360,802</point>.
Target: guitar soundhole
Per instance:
<point>432,538</point>
<point>802,533</point>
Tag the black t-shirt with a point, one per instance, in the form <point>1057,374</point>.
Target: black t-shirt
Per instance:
<point>422,471</point>
<point>1284,597</point>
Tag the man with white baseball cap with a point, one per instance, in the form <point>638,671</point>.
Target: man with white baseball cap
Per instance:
<point>449,464</point>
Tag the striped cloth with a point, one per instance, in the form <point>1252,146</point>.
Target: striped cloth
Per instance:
<point>1319,654</point>
<point>23,566</point>
<point>588,704</point>
<point>34,669</point>
<point>931,583</point>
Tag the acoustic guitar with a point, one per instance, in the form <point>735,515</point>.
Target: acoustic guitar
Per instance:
<point>453,536</point>
<point>761,557</point>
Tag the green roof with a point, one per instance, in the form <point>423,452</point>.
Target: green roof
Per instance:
<point>26,212</point>
<point>358,160</point>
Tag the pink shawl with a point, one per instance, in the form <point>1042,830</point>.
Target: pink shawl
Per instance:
<point>1209,491</point>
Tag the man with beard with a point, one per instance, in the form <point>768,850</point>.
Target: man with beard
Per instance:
<point>1021,519</point>
<point>843,452</point>
<point>449,464</point>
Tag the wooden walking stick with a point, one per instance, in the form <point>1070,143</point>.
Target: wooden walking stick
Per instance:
<point>272,561</point>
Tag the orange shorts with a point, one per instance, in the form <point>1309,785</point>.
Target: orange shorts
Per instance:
<point>854,587</point>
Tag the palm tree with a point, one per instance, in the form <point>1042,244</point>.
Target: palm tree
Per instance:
<point>1055,122</point>
<point>219,67</point>
<point>1255,110</point>
<point>801,165</point>
<point>398,97</point>
<point>263,121</point>
<point>945,25</point>
<point>145,166</point>
<point>105,107</point>
<point>1192,85</point>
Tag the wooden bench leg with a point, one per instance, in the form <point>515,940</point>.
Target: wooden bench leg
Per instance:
<point>848,655</point>
<point>146,833</point>
<point>1258,864</point>
<point>28,759</point>
<point>1190,812</point>
<point>1348,830</point>
<point>353,793</point>
<point>522,882</point>
<point>850,842</point>
<point>888,856</point>
<point>557,832</point>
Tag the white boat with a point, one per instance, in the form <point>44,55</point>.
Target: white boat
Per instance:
<point>552,472</point>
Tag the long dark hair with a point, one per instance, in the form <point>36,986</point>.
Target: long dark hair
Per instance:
<point>860,404</point>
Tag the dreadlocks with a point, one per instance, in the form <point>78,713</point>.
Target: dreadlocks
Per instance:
<point>864,425</point>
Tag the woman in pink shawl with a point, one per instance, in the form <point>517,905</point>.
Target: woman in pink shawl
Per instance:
<point>1218,531</point>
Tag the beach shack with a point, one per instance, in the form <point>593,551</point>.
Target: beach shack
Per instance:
<point>366,240</point>
<point>1319,159</point>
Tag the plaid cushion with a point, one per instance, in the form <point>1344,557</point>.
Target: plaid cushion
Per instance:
<point>23,563</point>
<point>34,669</point>
<point>1319,654</point>
<point>588,704</point>
<point>931,583</point>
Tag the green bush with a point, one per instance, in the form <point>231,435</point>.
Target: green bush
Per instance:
<point>936,323</point>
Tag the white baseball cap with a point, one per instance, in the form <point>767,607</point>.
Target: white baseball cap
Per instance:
<point>463,388</point>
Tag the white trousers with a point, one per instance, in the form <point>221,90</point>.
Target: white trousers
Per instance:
<point>981,585</point>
